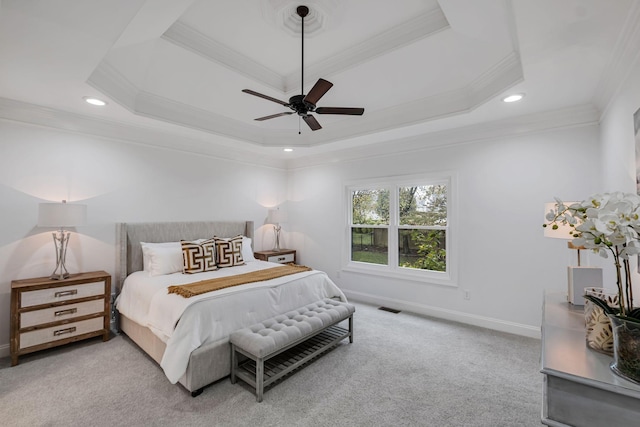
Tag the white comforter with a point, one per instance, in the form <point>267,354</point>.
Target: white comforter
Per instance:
<point>185,324</point>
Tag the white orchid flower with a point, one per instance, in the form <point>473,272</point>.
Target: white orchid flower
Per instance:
<point>609,224</point>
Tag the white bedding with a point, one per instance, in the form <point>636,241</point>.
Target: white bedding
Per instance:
<point>185,324</point>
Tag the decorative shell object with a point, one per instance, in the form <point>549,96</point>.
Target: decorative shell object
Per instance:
<point>599,333</point>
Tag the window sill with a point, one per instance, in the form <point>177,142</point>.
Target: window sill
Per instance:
<point>435,278</point>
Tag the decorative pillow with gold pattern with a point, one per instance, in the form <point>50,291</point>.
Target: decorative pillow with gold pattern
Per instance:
<point>229,251</point>
<point>198,257</point>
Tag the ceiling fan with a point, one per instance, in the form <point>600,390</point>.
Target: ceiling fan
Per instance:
<point>305,104</point>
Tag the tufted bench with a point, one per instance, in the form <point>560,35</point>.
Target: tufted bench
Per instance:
<point>287,341</point>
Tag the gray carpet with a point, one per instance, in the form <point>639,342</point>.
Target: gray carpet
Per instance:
<point>402,370</point>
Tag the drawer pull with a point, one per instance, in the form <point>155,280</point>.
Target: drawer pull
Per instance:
<point>282,258</point>
<point>64,312</point>
<point>66,293</point>
<point>64,331</point>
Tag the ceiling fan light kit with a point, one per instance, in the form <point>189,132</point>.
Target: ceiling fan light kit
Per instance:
<point>303,104</point>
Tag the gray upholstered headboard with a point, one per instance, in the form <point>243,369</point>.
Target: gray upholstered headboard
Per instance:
<point>129,236</point>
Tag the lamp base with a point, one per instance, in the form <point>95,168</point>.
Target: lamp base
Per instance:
<point>580,278</point>
<point>276,232</point>
<point>61,241</point>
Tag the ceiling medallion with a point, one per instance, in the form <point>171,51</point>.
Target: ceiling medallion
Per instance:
<point>282,14</point>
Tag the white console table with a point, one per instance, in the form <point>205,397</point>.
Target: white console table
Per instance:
<point>579,387</point>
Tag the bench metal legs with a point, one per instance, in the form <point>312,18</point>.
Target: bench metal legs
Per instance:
<point>259,378</point>
<point>234,364</point>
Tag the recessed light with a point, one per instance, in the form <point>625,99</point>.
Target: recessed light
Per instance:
<point>94,101</point>
<point>513,98</point>
<point>288,150</point>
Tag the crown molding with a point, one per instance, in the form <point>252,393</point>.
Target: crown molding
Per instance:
<point>577,116</point>
<point>36,115</point>
<point>625,54</point>
<point>503,75</point>
<point>415,29</point>
<point>168,110</point>
<point>108,80</point>
<point>111,82</point>
<point>189,38</point>
<point>423,25</point>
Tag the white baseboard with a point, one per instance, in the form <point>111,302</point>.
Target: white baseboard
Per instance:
<point>441,313</point>
<point>5,350</point>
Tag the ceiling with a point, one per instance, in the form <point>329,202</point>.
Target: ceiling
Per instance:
<point>416,66</point>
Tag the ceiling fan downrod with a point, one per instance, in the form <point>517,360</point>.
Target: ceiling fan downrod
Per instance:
<point>302,11</point>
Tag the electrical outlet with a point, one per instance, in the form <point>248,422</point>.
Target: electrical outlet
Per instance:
<point>467,294</point>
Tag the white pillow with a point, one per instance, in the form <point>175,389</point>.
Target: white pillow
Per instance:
<point>146,248</point>
<point>162,258</point>
<point>247,250</point>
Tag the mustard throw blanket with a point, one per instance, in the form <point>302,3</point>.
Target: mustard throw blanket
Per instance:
<point>203,286</point>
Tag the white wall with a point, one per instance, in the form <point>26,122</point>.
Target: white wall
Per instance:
<point>618,149</point>
<point>504,260</point>
<point>120,182</point>
<point>617,135</point>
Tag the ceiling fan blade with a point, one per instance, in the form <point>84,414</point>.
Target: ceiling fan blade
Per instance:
<point>273,116</point>
<point>251,92</point>
<point>312,122</point>
<point>340,110</point>
<point>317,91</point>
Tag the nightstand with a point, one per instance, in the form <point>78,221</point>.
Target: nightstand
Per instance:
<point>47,313</point>
<point>283,256</point>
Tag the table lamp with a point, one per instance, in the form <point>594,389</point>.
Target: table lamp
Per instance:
<point>61,215</point>
<point>579,277</point>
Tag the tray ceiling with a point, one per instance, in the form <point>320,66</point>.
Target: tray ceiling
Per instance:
<point>414,65</point>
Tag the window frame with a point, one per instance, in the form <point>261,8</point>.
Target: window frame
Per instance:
<point>392,269</point>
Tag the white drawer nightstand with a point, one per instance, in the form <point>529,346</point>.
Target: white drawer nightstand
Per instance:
<point>47,313</point>
<point>283,256</point>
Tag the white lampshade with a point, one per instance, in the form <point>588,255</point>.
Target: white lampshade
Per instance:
<point>277,216</point>
<point>61,214</point>
<point>564,231</point>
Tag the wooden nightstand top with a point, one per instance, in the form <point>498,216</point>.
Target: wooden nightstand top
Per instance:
<point>47,281</point>
<point>271,252</point>
<point>283,256</point>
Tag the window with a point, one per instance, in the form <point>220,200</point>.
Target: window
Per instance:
<point>370,226</point>
<point>402,226</point>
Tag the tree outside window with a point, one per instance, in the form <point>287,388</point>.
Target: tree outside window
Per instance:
<point>412,217</point>
<point>370,229</point>
<point>422,227</point>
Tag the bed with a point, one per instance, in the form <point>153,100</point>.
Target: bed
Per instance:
<point>189,339</point>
